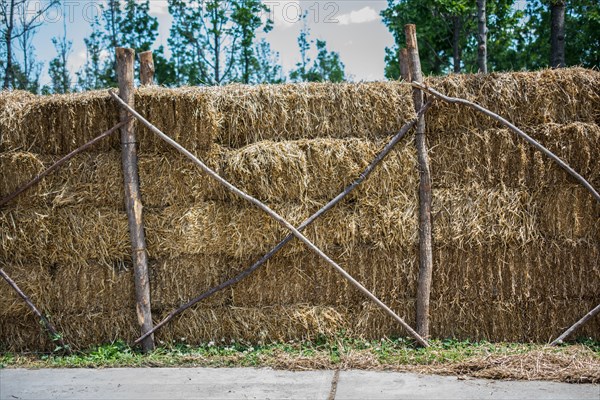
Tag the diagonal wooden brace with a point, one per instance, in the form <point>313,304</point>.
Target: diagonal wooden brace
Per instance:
<point>275,216</point>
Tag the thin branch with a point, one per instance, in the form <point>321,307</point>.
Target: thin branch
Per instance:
<point>512,127</point>
<point>576,326</point>
<point>54,335</point>
<point>364,174</point>
<point>61,162</point>
<point>275,216</point>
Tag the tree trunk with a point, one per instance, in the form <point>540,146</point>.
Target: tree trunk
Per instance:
<point>8,72</point>
<point>456,50</point>
<point>133,201</point>
<point>425,246</point>
<point>481,36</point>
<point>557,34</point>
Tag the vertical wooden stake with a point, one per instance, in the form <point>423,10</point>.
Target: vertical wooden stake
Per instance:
<point>404,65</point>
<point>146,68</point>
<point>133,200</point>
<point>425,249</point>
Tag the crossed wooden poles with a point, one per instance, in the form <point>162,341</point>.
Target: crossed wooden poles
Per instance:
<point>295,232</point>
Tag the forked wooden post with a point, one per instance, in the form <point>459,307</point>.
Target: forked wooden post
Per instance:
<point>425,247</point>
<point>133,199</point>
<point>404,65</point>
<point>146,68</point>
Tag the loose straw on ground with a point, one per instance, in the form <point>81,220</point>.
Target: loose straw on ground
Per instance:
<point>54,335</point>
<point>364,174</point>
<point>275,216</point>
<point>512,127</point>
<point>61,162</point>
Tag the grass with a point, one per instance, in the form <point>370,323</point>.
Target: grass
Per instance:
<point>578,362</point>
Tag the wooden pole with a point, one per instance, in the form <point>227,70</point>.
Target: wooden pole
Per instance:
<point>425,247</point>
<point>528,139</point>
<point>146,68</point>
<point>404,65</point>
<point>275,216</point>
<point>60,163</point>
<point>133,199</point>
<point>232,281</point>
<point>576,326</point>
<point>54,335</point>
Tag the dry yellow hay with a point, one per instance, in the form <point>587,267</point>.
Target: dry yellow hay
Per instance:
<point>499,157</point>
<point>311,171</point>
<point>527,99</point>
<point>516,241</point>
<point>304,111</point>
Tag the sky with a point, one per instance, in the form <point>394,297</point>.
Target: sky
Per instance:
<point>353,28</point>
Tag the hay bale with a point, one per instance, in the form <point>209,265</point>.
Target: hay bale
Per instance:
<point>501,272</point>
<point>498,157</point>
<point>477,215</point>
<point>526,99</point>
<point>60,123</point>
<point>311,110</point>
<point>63,235</point>
<point>311,171</point>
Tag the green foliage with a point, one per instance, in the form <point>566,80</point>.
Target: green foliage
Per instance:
<point>517,39</point>
<point>58,68</point>
<point>391,352</point>
<point>265,67</point>
<point>582,41</point>
<point>90,76</point>
<point>327,67</point>
<point>246,18</point>
<point>125,23</point>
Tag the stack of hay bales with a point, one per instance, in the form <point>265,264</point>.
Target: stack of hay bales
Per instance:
<point>516,241</point>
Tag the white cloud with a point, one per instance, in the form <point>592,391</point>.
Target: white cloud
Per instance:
<point>364,15</point>
<point>159,7</point>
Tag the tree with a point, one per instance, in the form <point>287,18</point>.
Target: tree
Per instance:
<point>581,27</point>
<point>304,43</point>
<point>124,23</point>
<point>204,40</point>
<point>246,17</point>
<point>266,68</point>
<point>557,34</point>
<point>186,47</point>
<point>327,67</point>
<point>58,67</point>
<point>481,36</point>
<point>89,77</point>
<point>18,18</point>
<point>165,72</point>
<point>448,34</point>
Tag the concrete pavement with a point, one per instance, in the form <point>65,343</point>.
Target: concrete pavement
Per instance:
<point>248,383</point>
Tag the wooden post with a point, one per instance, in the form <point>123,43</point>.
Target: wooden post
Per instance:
<point>146,68</point>
<point>133,200</point>
<point>404,65</point>
<point>425,250</point>
<point>273,215</point>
